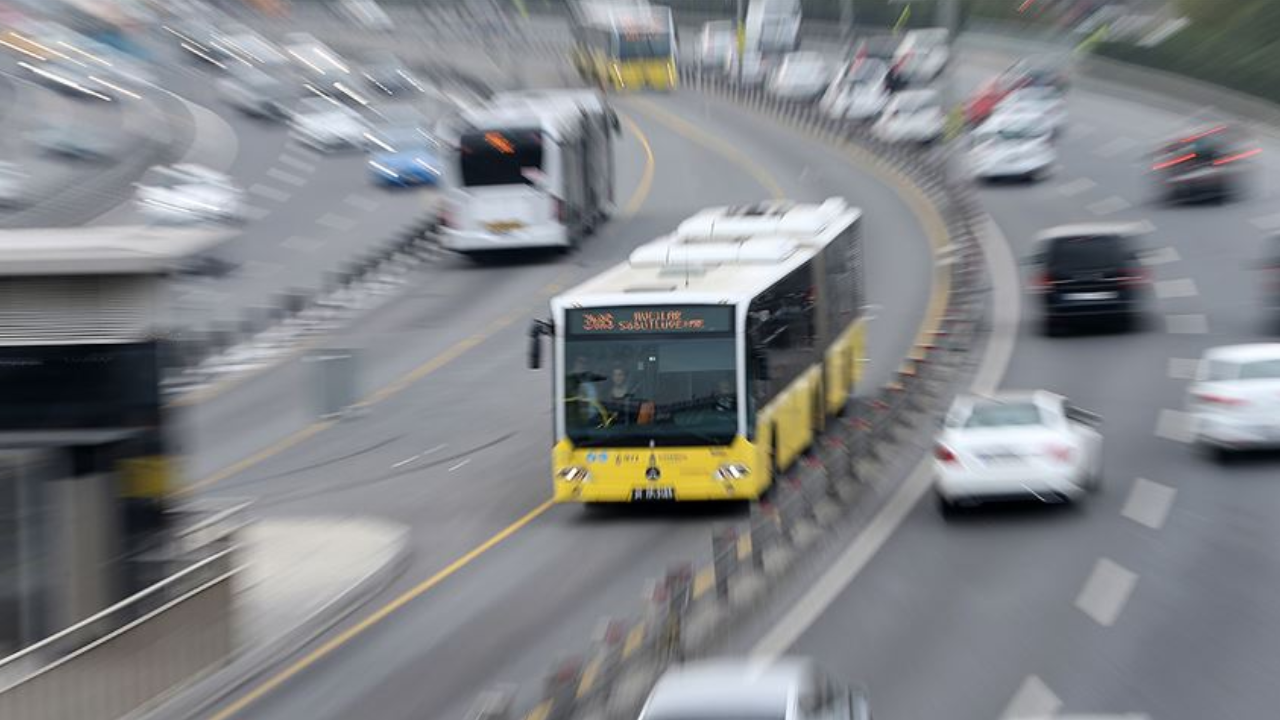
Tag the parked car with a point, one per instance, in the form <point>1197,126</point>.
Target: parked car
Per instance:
<point>859,92</point>
<point>327,125</point>
<point>914,116</point>
<point>801,76</point>
<point>922,54</point>
<point>404,156</point>
<point>69,142</point>
<point>187,193</point>
<point>257,94</point>
<point>716,47</point>
<point>1046,105</point>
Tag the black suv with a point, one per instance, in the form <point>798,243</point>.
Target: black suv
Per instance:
<point>1210,164</point>
<point>1089,273</point>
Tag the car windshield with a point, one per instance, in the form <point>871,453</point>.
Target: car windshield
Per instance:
<point>996,414</point>
<point>1260,370</point>
<point>641,46</point>
<point>633,389</point>
<point>1085,253</point>
<point>500,157</point>
<point>916,102</point>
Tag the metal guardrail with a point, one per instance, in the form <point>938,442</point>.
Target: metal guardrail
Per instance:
<point>686,610</point>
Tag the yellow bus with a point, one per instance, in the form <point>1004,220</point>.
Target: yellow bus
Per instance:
<point>626,47</point>
<point>710,360</point>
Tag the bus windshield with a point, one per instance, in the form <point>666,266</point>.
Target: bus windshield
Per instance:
<point>500,157</point>
<point>664,389</point>
<point>643,46</point>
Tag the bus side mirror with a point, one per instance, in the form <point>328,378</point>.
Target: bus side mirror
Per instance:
<point>536,331</point>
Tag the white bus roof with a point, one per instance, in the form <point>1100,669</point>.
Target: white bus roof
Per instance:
<point>719,256</point>
<point>556,120</point>
<point>103,250</point>
<point>589,100</point>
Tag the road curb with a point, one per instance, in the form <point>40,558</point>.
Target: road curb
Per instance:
<point>202,695</point>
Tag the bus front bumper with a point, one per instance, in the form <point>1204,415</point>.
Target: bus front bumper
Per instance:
<point>541,236</point>
<point>589,492</point>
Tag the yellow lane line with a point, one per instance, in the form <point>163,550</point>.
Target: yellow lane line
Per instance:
<point>701,137</point>
<point>646,178</point>
<point>378,616</point>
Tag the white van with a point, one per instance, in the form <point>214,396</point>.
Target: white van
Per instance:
<point>923,54</point>
<point>773,26</point>
<point>529,170</point>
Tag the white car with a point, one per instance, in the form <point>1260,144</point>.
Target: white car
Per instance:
<point>1040,101</point>
<point>1011,144</point>
<point>859,92</point>
<point>801,76</point>
<point>923,54</point>
<point>188,193</point>
<point>327,125</point>
<point>742,689</point>
<point>1235,399</point>
<point>1016,445</point>
<point>914,116</point>
<point>716,47</point>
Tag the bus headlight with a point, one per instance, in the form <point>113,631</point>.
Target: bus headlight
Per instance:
<point>732,472</point>
<point>574,474</point>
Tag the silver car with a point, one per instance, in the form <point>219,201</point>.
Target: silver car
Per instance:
<point>745,689</point>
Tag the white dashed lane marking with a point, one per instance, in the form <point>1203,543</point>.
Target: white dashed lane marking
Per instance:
<point>361,202</point>
<point>1267,222</point>
<point>1179,288</point>
<point>1033,699</point>
<point>270,193</point>
<point>1162,256</point>
<point>1110,205</point>
<point>1174,425</point>
<point>336,222</point>
<point>459,465</point>
<point>1106,592</point>
<point>1194,324</point>
<point>286,177</point>
<point>303,244</point>
<point>1183,368</point>
<point>296,164</point>
<point>1149,503</point>
<point>1075,187</point>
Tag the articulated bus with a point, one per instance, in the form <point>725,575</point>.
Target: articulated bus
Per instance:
<point>710,360</point>
<point>628,47</point>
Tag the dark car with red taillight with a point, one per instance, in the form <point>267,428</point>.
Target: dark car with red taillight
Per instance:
<point>1208,164</point>
<point>1089,273</point>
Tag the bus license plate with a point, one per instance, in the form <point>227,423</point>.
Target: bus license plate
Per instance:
<point>654,493</point>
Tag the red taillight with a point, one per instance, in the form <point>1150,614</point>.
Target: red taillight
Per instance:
<point>1134,278</point>
<point>1224,400</point>
<point>943,454</point>
<point>1174,161</point>
<point>1042,283</point>
<point>444,217</point>
<point>1061,453</point>
<point>1237,156</point>
<point>562,214</point>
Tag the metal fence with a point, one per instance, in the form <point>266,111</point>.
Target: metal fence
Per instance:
<point>690,608</point>
<point>129,654</point>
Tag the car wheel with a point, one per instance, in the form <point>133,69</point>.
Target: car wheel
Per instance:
<point>1222,455</point>
<point>947,509</point>
<point>1052,327</point>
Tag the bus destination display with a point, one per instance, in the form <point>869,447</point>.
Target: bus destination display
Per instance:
<point>636,320</point>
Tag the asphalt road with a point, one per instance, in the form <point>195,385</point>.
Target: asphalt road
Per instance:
<point>461,453</point>
<point>1150,598</point>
